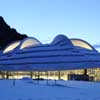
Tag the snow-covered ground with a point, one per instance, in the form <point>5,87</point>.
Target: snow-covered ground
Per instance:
<point>48,90</point>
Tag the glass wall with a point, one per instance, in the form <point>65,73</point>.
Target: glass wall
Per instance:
<point>11,47</point>
<point>93,74</point>
<point>30,42</point>
<point>81,43</point>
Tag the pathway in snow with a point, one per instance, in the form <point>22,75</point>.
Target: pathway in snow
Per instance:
<point>62,90</point>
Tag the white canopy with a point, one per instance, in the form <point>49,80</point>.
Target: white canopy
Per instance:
<point>61,54</point>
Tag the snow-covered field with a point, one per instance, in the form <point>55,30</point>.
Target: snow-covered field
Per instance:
<point>43,90</point>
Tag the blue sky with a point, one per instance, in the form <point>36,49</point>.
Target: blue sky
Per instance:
<point>44,19</point>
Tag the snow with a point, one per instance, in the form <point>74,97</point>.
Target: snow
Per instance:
<point>27,89</point>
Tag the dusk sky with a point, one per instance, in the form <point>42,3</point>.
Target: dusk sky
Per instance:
<point>45,19</point>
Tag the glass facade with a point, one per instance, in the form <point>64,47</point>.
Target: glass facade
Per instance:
<point>11,47</point>
<point>93,74</point>
<point>29,43</point>
<point>81,43</point>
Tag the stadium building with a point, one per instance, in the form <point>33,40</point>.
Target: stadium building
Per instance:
<point>63,58</point>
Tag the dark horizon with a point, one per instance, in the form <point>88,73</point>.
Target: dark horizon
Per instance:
<point>8,34</point>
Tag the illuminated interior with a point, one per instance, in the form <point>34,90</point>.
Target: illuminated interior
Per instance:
<point>11,47</point>
<point>94,74</point>
<point>30,42</point>
<point>42,75</point>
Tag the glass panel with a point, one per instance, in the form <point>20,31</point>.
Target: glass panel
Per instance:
<point>11,47</point>
<point>94,74</point>
<point>81,44</point>
<point>29,43</point>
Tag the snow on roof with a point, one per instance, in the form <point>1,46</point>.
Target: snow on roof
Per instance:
<point>61,54</point>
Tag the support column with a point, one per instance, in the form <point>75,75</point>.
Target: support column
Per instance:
<point>59,75</point>
<point>31,74</point>
<point>47,77</point>
<point>85,71</point>
<point>7,75</point>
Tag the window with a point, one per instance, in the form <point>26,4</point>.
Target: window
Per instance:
<point>29,43</point>
<point>11,47</point>
<point>81,43</point>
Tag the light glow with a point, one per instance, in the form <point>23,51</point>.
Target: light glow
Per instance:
<point>29,43</point>
<point>81,44</point>
<point>11,47</point>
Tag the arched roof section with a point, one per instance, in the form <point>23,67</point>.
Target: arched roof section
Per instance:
<point>29,42</point>
<point>62,40</point>
<point>82,43</point>
<point>11,46</point>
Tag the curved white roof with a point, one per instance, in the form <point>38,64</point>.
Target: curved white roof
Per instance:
<point>29,42</point>
<point>12,46</point>
<point>22,44</point>
<point>82,43</point>
<point>61,54</point>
